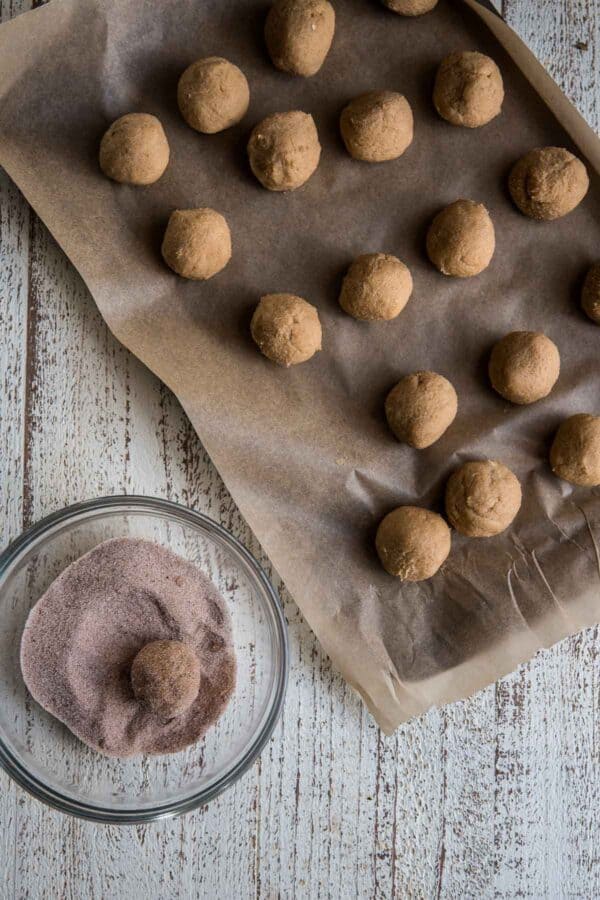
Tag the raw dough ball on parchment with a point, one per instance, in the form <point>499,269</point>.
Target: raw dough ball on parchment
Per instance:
<point>468,89</point>
<point>420,408</point>
<point>461,239</point>
<point>134,150</point>
<point>197,243</point>
<point>410,7</point>
<point>590,295</point>
<point>412,543</point>
<point>376,286</point>
<point>524,366</point>
<point>284,150</point>
<point>377,126</point>
<point>165,677</point>
<point>298,34</point>
<point>482,498</point>
<point>286,329</point>
<point>548,183</point>
<point>213,94</point>
<point>575,453</point>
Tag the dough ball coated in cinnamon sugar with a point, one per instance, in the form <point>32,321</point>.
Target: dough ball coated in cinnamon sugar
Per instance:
<point>468,89</point>
<point>461,239</point>
<point>286,329</point>
<point>298,34</point>
<point>412,543</point>
<point>524,366</point>
<point>165,677</point>
<point>213,95</point>
<point>197,243</point>
<point>548,183</point>
<point>420,408</point>
<point>377,126</point>
<point>482,498</point>
<point>284,150</point>
<point>377,286</point>
<point>410,7</point>
<point>590,295</point>
<point>575,452</point>
<point>134,150</point>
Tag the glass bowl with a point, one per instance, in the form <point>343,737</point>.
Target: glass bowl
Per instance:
<point>46,759</point>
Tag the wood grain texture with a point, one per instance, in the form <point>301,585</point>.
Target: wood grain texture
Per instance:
<point>496,796</point>
<point>547,772</point>
<point>14,255</point>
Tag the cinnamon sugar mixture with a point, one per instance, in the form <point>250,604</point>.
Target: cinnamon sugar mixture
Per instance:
<point>82,635</point>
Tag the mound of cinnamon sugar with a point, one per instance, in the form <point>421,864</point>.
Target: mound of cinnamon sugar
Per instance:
<point>82,635</point>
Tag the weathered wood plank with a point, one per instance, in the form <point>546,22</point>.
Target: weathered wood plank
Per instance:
<point>14,255</point>
<point>565,36</point>
<point>99,423</point>
<point>14,241</point>
<point>547,773</point>
<point>14,238</point>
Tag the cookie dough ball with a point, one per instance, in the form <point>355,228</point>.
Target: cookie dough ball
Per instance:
<point>213,94</point>
<point>410,7</point>
<point>590,295</point>
<point>284,150</point>
<point>524,366</point>
<point>197,243</point>
<point>286,329</point>
<point>376,286</point>
<point>134,150</point>
<point>412,543</point>
<point>377,126</point>
<point>468,89</point>
<point>461,239</point>
<point>575,453</point>
<point>548,183</point>
<point>482,498</point>
<point>420,408</point>
<point>165,677</point>
<point>298,34</point>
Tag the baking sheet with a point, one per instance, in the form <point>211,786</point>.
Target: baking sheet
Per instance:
<point>306,452</point>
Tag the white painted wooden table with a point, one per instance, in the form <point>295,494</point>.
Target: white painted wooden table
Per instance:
<point>498,796</point>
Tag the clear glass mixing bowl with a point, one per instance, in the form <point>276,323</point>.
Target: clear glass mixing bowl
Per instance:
<point>47,760</point>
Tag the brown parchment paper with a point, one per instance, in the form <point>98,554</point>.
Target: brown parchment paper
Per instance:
<point>306,453</point>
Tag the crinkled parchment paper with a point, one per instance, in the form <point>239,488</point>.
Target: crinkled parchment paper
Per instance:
<point>306,453</point>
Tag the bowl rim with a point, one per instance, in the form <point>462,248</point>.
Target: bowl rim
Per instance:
<point>96,812</point>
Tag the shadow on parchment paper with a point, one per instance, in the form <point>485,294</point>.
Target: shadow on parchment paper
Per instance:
<point>462,621</point>
<point>245,32</point>
<point>233,325</point>
<point>240,156</point>
<point>159,79</point>
<point>333,285</point>
<point>576,291</point>
<point>152,236</point>
<point>481,367</point>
